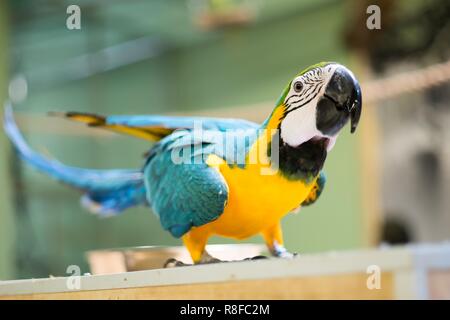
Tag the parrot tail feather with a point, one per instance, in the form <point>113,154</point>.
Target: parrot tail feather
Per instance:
<point>108,203</point>
<point>107,192</point>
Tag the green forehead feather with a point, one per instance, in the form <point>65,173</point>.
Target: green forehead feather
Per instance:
<point>283,94</point>
<point>286,90</point>
<point>317,65</point>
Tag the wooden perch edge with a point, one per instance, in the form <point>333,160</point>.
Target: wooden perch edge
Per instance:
<point>387,273</point>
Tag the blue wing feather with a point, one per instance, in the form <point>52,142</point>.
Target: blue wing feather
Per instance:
<point>107,191</point>
<point>155,127</point>
<point>183,196</point>
<point>174,122</point>
<point>193,194</point>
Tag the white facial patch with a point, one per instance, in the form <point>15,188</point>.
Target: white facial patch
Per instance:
<point>299,125</point>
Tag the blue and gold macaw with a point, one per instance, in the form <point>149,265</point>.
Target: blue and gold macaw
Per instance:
<point>226,177</point>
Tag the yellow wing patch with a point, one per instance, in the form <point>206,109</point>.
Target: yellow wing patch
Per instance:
<point>94,120</point>
<point>312,196</point>
<point>316,190</point>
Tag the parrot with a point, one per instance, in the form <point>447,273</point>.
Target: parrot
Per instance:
<point>205,176</point>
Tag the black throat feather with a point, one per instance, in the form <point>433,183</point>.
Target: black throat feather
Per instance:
<point>303,162</point>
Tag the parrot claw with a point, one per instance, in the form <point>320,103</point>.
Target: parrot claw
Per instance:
<point>287,255</point>
<point>281,252</point>
<point>207,258</point>
<point>172,263</point>
<point>255,258</point>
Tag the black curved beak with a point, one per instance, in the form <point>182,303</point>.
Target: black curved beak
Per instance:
<point>355,106</point>
<point>342,101</point>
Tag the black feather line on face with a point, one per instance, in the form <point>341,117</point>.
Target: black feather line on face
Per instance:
<point>293,96</point>
<point>287,111</point>
<point>305,93</point>
<point>299,96</point>
<point>310,90</point>
<point>315,93</point>
<point>311,78</point>
<point>314,78</point>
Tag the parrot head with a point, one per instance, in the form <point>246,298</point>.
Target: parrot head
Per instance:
<point>318,103</point>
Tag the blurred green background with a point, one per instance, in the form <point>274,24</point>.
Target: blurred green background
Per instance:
<point>145,57</point>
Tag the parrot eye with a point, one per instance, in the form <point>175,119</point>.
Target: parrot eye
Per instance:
<point>298,86</point>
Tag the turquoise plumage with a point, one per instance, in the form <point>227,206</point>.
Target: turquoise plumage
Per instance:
<point>181,196</point>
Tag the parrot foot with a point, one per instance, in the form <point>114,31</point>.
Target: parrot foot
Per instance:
<point>256,258</point>
<point>287,255</point>
<point>172,263</point>
<point>280,251</point>
<point>207,258</point>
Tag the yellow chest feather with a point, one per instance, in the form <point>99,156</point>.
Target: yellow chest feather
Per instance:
<point>258,196</point>
<point>256,200</point>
